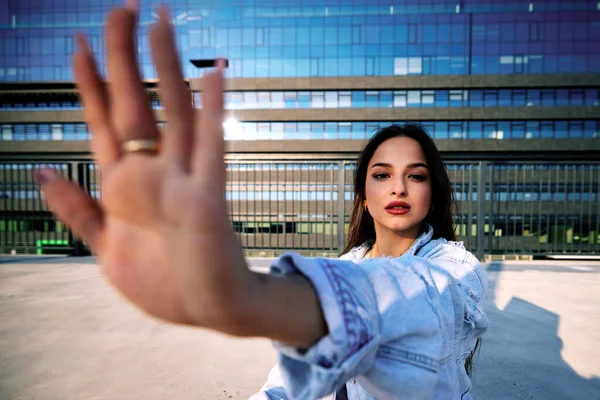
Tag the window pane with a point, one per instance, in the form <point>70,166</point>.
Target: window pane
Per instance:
<point>317,100</point>
<point>345,99</point>
<point>400,98</point>
<point>331,99</point>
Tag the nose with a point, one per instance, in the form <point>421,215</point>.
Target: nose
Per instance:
<point>399,188</point>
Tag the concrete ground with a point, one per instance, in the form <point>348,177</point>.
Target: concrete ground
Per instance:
<point>65,334</point>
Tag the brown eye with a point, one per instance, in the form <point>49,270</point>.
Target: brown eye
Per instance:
<point>418,177</point>
<point>380,175</point>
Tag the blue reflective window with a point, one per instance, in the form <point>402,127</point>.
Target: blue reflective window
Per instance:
<point>290,130</point>
<point>591,129</point>
<point>592,97</point>
<point>505,98</point>
<point>345,130</point>
<point>490,98</point>
<point>358,130</point>
<point>358,99</point>
<point>372,99</point>
<point>475,98</point>
<point>318,130</point>
<point>412,33</point>
<point>304,130</point>
<point>302,67</point>
<point>428,33</point>
<point>44,132</point>
<point>441,130</point>
<point>304,99</point>
<point>19,132</point>
<point>457,131</point>
<point>289,99</point>
<point>81,132</point>
<point>532,129</point>
<point>386,99</point>
<point>441,98</point>
<point>475,130</point>
<point>533,97</point>
<point>562,97</point>
<point>518,130</point>
<point>577,97</point>
<point>331,130</point>
<point>575,129</point>
<point>548,97</point>
<point>547,129</point>
<point>66,130</point>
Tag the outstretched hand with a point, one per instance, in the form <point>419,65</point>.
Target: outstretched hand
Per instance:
<point>162,232</point>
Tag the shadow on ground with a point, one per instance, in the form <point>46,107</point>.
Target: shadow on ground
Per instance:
<point>521,354</point>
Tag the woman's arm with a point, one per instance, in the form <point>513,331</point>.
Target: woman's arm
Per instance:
<point>285,309</point>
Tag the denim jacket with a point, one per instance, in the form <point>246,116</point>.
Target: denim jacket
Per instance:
<point>399,328</point>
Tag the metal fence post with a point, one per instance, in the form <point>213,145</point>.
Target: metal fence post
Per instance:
<point>341,205</point>
<point>481,210</point>
<point>490,207</point>
<point>79,176</point>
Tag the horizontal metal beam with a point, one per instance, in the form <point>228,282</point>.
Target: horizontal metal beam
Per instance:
<point>53,86</point>
<point>417,114</point>
<point>50,117</point>
<point>359,82</point>
<point>455,149</point>
<point>346,114</point>
<point>411,82</point>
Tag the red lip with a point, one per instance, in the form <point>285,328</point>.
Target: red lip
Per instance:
<point>397,204</point>
<point>397,208</point>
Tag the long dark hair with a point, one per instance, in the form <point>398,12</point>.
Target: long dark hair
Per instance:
<point>362,227</point>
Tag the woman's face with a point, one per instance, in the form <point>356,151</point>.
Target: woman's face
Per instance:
<point>398,187</point>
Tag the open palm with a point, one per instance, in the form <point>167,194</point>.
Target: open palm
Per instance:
<point>163,217</point>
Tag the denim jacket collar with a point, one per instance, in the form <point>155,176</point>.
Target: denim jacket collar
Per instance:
<point>359,252</point>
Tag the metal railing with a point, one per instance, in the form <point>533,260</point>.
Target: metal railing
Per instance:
<point>304,205</point>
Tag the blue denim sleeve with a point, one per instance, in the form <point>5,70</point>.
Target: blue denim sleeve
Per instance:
<point>379,309</point>
<point>452,262</point>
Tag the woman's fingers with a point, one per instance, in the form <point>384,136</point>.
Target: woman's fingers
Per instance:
<point>72,205</point>
<point>173,92</point>
<point>209,145</point>
<point>130,110</point>
<point>92,91</point>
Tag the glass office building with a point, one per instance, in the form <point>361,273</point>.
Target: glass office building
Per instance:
<point>510,91</point>
<point>322,38</point>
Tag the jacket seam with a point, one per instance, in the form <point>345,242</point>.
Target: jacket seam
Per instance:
<point>417,359</point>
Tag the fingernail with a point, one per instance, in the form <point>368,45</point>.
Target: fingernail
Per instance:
<point>43,176</point>
<point>133,5</point>
<point>164,15</point>
<point>221,62</point>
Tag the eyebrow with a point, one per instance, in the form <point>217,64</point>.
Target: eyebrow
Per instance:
<point>386,165</point>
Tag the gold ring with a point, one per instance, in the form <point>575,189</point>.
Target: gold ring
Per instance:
<point>151,146</point>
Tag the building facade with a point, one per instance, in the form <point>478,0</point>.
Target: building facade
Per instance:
<point>509,90</point>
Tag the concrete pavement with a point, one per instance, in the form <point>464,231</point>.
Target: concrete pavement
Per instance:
<point>65,334</point>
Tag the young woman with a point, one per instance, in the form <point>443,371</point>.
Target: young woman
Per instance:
<point>401,323</point>
<point>403,208</point>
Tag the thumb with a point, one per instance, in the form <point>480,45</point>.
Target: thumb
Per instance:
<point>72,205</point>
